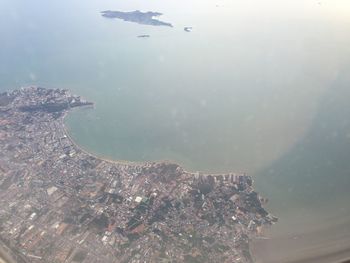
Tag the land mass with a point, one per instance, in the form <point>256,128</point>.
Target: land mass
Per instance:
<point>143,36</point>
<point>59,203</point>
<point>144,18</point>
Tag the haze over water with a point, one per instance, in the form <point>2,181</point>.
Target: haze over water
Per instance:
<point>257,86</point>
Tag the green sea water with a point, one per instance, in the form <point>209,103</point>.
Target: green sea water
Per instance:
<point>257,86</point>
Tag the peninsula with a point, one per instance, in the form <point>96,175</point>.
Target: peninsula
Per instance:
<point>59,203</point>
<point>144,18</point>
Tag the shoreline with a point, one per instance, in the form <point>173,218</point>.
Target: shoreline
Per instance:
<point>330,255</point>
<point>68,195</point>
<point>134,163</point>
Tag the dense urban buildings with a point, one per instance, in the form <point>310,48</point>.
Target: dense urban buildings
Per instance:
<point>61,204</point>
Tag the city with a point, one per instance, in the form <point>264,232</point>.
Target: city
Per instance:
<point>59,203</point>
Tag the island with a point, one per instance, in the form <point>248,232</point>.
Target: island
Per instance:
<point>143,36</point>
<point>59,203</point>
<point>144,18</point>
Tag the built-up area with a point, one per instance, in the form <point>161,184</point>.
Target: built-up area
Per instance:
<point>61,204</point>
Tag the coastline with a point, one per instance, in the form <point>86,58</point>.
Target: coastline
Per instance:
<point>258,248</point>
<point>127,162</point>
<point>68,195</point>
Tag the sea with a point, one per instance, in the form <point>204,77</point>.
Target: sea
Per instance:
<point>261,87</point>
